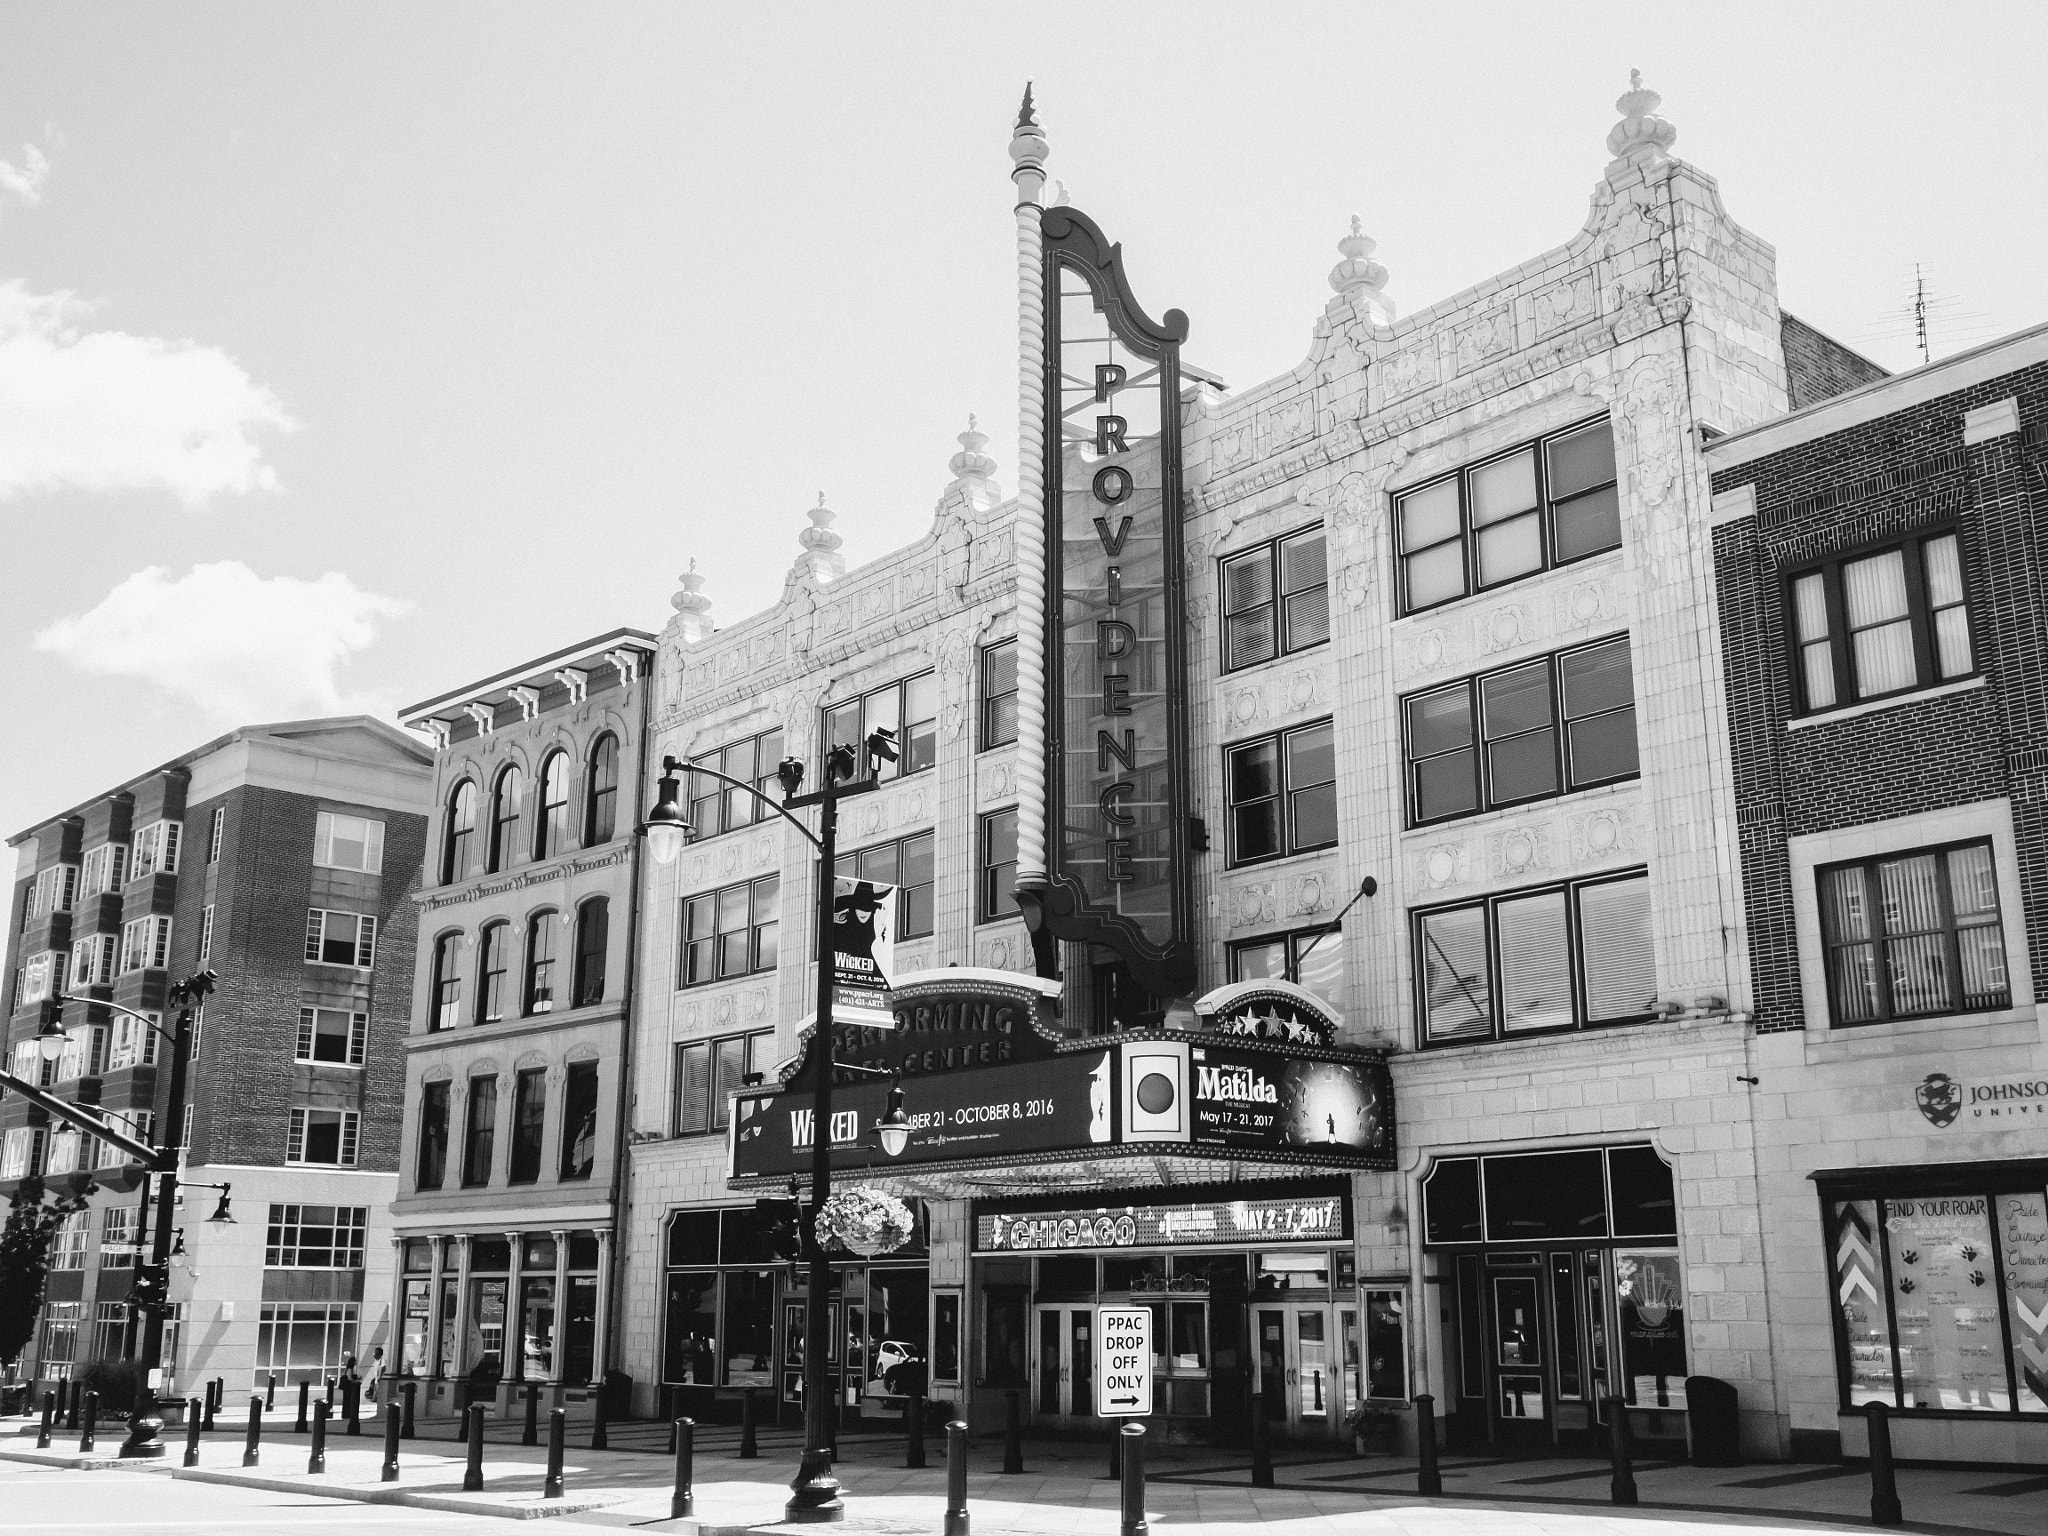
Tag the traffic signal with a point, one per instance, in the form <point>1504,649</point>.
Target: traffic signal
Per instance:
<point>52,1014</point>
<point>152,1287</point>
<point>124,1177</point>
<point>882,744</point>
<point>780,1228</point>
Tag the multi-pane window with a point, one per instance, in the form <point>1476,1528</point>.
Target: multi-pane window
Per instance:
<point>716,807</point>
<point>92,960</point>
<point>551,830</point>
<point>1283,793</point>
<point>145,944</point>
<point>340,938</point>
<point>455,856</point>
<point>55,890</point>
<point>1882,623</point>
<point>433,1152</point>
<point>216,833</point>
<point>1276,599</point>
<point>118,1225</point>
<point>348,842</point>
<point>905,864</point>
<point>1313,957</point>
<point>506,797</point>
<point>1545,503</point>
<point>707,1072</point>
<point>323,1136</point>
<point>447,984</point>
<point>529,1124</point>
<point>21,1154</point>
<point>140,1124</point>
<point>540,963</point>
<point>1544,727</point>
<point>730,932</point>
<point>495,946</point>
<point>593,937</point>
<point>1565,957</point>
<point>43,976</point>
<point>156,850</point>
<point>601,801</point>
<point>304,1341</point>
<point>579,1120</point>
<point>69,1242</point>
<point>909,708</point>
<point>206,934</point>
<point>134,1042</point>
<point>997,846</point>
<point>479,1132</point>
<point>105,868</point>
<point>1914,935</point>
<point>998,694</point>
<point>315,1237</point>
<point>333,1035</point>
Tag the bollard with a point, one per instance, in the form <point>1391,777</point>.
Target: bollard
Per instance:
<point>90,1417</point>
<point>1262,1442</point>
<point>956,1479</point>
<point>913,1430</point>
<point>330,1394</point>
<point>558,1437</point>
<point>1133,1436</point>
<point>1428,1480</point>
<point>1013,1431</point>
<point>393,1422</point>
<point>1884,1488</point>
<point>205,1406</point>
<point>352,1404</point>
<point>305,1397</point>
<point>473,1472</point>
<point>193,1411</point>
<point>316,1459</point>
<point>1621,1488</point>
<point>750,1446</point>
<point>600,1431</point>
<point>681,1501</point>
<point>412,1390</point>
<point>251,1456</point>
<point>270,1393</point>
<point>49,1421</point>
<point>530,1434</point>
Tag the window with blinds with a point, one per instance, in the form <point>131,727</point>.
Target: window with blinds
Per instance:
<point>1276,599</point>
<point>346,842</point>
<point>707,1072</point>
<point>1525,962</point>
<point>998,694</point>
<point>1882,622</point>
<point>1914,935</point>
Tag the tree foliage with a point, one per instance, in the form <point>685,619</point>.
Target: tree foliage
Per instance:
<point>32,1223</point>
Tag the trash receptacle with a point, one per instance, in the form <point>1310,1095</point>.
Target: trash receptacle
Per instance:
<point>1713,1422</point>
<point>618,1396</point>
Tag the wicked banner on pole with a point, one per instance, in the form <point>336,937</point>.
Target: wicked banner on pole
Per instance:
<point>863,953</point>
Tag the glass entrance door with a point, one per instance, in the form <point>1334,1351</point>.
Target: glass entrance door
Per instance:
<point>1521,1397</point>
<point>1063,1365</point>
<point>1300,1368</point>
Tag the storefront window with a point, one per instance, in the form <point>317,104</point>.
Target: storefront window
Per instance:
<point>412,1341</point>
<point>692,1323</point>
<point>747,1337</point>
<point>946,1336</point>
<point>1189,1332</point>
<point>1386,1344</point>
<point>444,1358</point>
<point>1146,1273</point>
<point>2023,1253</point>
<point>1652,1299</point>
<point>483,1355</point>
<point>579,1330</point>
<point>1294,1272</point>
<point>537,1326</point>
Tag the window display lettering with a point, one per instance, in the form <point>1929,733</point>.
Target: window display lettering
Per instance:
<point>1652,1299</point>
<point>1945,1304</point>
<point>2023,1244</point>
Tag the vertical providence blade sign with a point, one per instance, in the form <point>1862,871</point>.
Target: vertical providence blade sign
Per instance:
<point>1118,872</point>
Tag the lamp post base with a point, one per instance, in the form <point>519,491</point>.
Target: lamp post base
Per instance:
<point>814,1496</point>
<point>145,1431</point>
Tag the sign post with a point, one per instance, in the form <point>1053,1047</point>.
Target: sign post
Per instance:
<point>1123,1362</point>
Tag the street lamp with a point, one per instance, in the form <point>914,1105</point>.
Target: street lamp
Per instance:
<point>814,1493</point>
<point>894,1127</point>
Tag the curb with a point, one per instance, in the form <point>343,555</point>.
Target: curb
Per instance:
<point>393,1493</point>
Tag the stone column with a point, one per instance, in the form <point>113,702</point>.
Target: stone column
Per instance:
<point>1028,150</point>
<point>433,1363</point>
<point>601,1354</point>
<point>561,1303</point>
<point>515,1309</point>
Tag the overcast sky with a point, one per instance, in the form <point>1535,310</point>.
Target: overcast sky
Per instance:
<point>349,353</point>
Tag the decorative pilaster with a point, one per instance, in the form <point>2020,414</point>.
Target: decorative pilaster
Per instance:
<point>1028,149</point>
<point>555,1347</point>
<point>602,1348</point>
<point>458,1366</point>
<point>431,1363</point>
<point>514,1341</point>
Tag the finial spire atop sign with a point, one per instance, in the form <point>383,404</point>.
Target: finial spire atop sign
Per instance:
<point>1640,131</point>
<point>1028,150</point>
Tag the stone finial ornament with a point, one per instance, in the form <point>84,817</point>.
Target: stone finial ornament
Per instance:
<point>1640,131</point>
<point>970,464</point>
<point>1028,150</point>
<point>692,606</point>
<point>821,560</point>
<point>1358,277</point>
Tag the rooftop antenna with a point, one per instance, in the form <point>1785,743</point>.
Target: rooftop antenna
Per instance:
<point>1925,312</point>
<point>1920,314</point>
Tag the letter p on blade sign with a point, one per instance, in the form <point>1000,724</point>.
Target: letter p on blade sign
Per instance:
<point>1123,1362</point>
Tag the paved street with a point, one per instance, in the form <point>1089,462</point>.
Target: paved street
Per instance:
<point>1062,1493</point>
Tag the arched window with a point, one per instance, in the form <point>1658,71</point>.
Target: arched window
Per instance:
<point>461,832</point>
<point>593,931</point>
<point>447,981</point>
<point>496,944</point>
<point>505,817</point>
<point>540,963</point>
<point>601,816</point>
<point>551,836</point>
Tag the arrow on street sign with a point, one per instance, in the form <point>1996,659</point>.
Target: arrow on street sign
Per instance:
<point>1123,1362</point>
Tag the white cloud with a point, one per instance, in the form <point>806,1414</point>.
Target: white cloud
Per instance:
<point>25,181</point>
<point>241,646</point>
<point>107,411</point>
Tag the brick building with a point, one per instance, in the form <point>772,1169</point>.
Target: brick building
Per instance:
<point>282,857</point>
<point>1451,797</point>
<point>517,1047</point>
<point>1879,577</point>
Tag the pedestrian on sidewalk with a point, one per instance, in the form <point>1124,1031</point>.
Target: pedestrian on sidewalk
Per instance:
<point>373,1374</point>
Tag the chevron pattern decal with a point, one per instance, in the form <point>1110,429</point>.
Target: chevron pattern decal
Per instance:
<point>1856,1266</point>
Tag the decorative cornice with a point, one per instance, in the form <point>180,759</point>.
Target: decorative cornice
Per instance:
<point>524,878</point>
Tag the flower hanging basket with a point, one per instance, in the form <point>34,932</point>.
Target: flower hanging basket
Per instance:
<point>865,1221</point>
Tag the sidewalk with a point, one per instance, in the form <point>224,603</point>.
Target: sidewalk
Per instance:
<point>1065,1491</point>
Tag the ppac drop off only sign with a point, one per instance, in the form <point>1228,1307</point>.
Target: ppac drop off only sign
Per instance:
<point>1123,1362</point>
